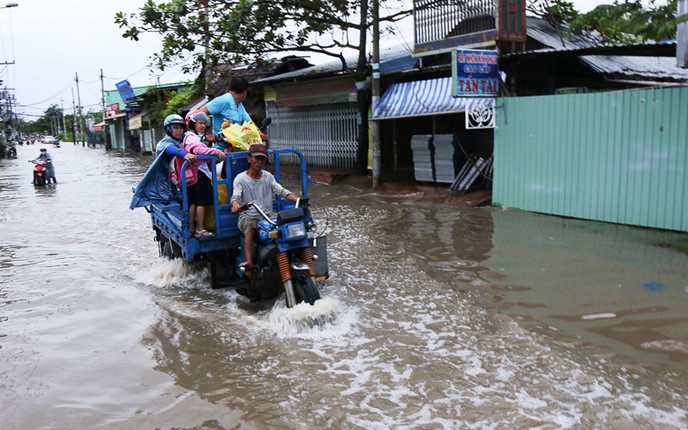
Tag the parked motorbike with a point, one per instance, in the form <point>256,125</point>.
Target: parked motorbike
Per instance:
<point>40,172</point>
<point>283,260</point>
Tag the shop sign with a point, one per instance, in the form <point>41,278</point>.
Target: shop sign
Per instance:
<point>475,73</point>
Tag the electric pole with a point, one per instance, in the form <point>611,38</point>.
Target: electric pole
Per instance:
<point>73,120</point>
<point>375,125</point>
<point>64,129</point>
<point>682,37</point>
<point>102,93</point>
<point>80,119</point>
<point>102,101</point>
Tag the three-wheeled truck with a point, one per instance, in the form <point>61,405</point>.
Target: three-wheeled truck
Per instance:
<point>290,253</point>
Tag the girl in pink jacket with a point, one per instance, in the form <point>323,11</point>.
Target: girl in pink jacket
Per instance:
<point>199,185</point>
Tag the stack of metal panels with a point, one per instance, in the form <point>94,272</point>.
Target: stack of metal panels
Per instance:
<point>444,158</point>
<point>422,157</point>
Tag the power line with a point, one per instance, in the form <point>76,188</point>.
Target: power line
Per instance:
<point>129,75</point>
<point>50,98</point>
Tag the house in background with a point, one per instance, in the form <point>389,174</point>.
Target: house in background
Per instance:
<point>555,62</point>
<point>600,135</point>
<point>535,58</point>
<point>315,109</point>
<point>128,123</point>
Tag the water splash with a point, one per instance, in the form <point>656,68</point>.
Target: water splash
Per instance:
<point>164,272</point>
<point>325,318</point>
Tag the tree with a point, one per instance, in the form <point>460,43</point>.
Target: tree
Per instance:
<point>202,34</point>
<point>246,31</point>
<point>630,22</point>
<point>621,22</point>
<point>554,12</point>
<point>53,117</point>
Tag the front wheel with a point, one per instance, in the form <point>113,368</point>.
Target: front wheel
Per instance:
<point>305,289</point>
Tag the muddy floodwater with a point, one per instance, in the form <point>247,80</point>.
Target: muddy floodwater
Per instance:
<point>436,316</point>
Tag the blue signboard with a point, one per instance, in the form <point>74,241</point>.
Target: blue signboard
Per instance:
<point>475,73</point>
<point>125,91</point>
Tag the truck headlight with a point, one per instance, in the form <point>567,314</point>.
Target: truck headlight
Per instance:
<point>295,231</point>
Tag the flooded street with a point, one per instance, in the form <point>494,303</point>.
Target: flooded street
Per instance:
<point>440,316</point>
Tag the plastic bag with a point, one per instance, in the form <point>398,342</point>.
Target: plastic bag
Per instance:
<point>242,136</point>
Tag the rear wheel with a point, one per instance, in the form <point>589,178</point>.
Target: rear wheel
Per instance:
<point>38,180</point>
<point>305,289</point>
<point>167,248</point>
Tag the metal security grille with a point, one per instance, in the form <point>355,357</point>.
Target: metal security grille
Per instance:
<point>326,134</point>
<point>440,19</point>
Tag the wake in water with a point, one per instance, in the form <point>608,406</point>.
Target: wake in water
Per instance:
<point>164,272</point>
<point>324,319</point>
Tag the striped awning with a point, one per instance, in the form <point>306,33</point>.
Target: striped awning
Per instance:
<point>421,98</point>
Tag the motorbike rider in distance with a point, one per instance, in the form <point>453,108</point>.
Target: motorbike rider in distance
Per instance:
<point>45,157</point>
<point>258,186</point>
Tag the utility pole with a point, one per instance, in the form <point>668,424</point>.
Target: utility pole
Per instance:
<point>682,37</point>
<point>102,93</point>
<point>73,120</point>
<point>10,98</point>
<point>64,129</point>
<point>102,101</point>
<point>80,119</point>
<point>375,125</point>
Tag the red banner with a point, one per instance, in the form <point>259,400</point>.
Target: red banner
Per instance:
<point>111,110</point>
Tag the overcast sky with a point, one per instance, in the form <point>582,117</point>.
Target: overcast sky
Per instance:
<point>50,41</point>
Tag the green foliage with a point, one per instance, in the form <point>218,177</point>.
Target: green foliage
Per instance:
<point>627,21</point>
<point>630,22</point>
<point>166,102</point>
<point>212,32</point>
<point>552,11</point>
<point>50,118</point>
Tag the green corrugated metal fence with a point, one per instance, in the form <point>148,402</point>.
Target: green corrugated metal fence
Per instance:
<point>619,157</point>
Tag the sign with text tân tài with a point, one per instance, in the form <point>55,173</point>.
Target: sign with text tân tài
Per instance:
<point>475,73</point>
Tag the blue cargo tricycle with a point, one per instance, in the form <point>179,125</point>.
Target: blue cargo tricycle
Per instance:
<point>290,253</point>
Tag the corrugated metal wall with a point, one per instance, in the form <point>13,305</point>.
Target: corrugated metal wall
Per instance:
<point>326,134</point>
<point>619,157</point>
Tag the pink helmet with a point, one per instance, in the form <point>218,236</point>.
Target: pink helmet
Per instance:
<point>195,116</point>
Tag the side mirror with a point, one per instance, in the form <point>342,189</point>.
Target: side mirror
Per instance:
<point>266,122</point>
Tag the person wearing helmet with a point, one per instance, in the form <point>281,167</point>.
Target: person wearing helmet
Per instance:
<point>199,185</point>
<point>171,145</point>
<point>229,106</point>
<point>45,157</point>
<point>159,184</point>
<point>198,116</point>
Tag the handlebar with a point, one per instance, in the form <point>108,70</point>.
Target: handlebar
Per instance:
<point>300,202</point>
<point>249,205</point>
